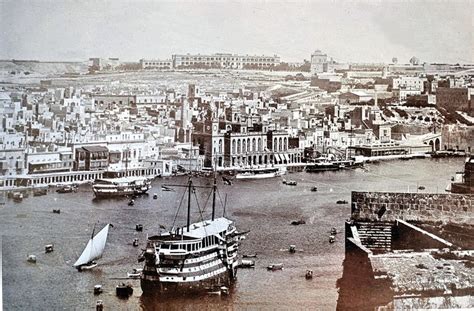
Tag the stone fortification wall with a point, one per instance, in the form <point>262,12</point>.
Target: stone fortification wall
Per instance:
<point>424,207</point>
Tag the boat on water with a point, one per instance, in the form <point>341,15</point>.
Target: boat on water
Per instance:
<point>246,263</point>
<point>260,172</point>
<point>323,164</point>
<point>124,290</point>
<point>121,186</point>
<point>192,258</point>
<point>135,274</point>
<point>289,182</point>
<point>17,196</point>
<point>274,267</point>
<point>93,250</point>
<point>40,192</point>
<point>66,189</point>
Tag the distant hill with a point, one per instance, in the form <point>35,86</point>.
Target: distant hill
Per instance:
<point>42,68</point>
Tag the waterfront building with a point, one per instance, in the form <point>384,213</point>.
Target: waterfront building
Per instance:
<point>91,158</point>
<point>49,162</point>
<point>243,141</point>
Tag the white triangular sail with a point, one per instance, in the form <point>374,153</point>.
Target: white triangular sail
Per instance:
<point>94,248</point>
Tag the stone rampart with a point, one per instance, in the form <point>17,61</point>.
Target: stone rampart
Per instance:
<point>423,207</point>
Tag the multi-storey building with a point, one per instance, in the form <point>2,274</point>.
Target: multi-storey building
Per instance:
<point>319,62</point>
<point>235,143</point>
<point>224,60</point>
<point>156,63</point>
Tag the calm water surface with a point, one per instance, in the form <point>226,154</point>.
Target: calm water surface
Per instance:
<point>265,207</point>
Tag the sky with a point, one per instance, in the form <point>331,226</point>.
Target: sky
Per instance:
<point>349,31</point>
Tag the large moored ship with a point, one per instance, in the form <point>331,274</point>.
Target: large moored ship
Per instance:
<point>123,186</point>
<point>197,257</point>
<point>260,172</point>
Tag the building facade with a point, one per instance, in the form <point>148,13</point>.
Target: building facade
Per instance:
<point>224,60</point>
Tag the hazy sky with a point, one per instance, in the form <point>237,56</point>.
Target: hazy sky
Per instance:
<point>368,31</point>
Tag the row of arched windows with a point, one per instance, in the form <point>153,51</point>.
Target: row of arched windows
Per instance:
<point>242,145</point>
<point>280,144</point>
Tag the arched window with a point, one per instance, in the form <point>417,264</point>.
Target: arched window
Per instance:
<point>259,144</point>
<point>248,144</point>
<point>285,144</point>
<point>254,147</point>
<point>233,146</point>
<point>239,150</point>
<point>279,144</point>
<point>243,146</point>
<point>220,145</point>
<point>275,144</point>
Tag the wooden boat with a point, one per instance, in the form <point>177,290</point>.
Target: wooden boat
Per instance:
<point>17,196</point>
<point>314,189</point>
<point>135,242</point>
<point>135,274</point>
<point>250,255</point>
<point>298,222</point>
<point>97,289</point>
<point>341,202</point>
<point>48,248</point>
<point>309,274</point>
<point>93,250</point>
<point>40,192</point>
<point>274,267</point>
<point>31,258</point>
<point>245,263</point>
<point>66,189</point>
<point>124,290</point>
<point>165,188</point>
<point>56,211</point>
<point>139,227</point>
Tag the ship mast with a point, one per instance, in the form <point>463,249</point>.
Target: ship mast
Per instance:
<point>190,186</point>
<point>214,189</point>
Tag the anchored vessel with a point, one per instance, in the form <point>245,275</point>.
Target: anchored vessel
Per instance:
<point>260,172</point>
<point>197,257</point>
<point>112,187</point>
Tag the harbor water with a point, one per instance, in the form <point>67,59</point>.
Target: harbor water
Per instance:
<point>264,207</point>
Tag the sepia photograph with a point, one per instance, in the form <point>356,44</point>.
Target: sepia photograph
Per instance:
<point>236,155</point>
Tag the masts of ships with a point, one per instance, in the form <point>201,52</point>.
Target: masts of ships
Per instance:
<point>199,256</point>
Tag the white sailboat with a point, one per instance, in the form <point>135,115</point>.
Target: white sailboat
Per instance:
<point>94,249</point>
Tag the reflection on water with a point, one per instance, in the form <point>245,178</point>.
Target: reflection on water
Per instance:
<point>265,207</point>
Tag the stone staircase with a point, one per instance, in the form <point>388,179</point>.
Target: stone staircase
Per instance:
<point>376,236</point>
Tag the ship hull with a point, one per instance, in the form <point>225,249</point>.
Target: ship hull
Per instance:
<point>120,193</point>
<point>256,176</point>
<point>322,168</point>
<point>156,287</point>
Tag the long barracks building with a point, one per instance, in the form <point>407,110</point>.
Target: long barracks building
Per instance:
<point>224,60</point>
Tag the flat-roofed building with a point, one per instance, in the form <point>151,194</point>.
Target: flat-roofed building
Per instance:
<point>224,60</point>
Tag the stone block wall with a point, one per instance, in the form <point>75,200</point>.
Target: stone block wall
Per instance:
<point>424,207</point>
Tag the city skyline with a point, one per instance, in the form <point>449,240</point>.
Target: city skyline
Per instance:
<point>348,32</point>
